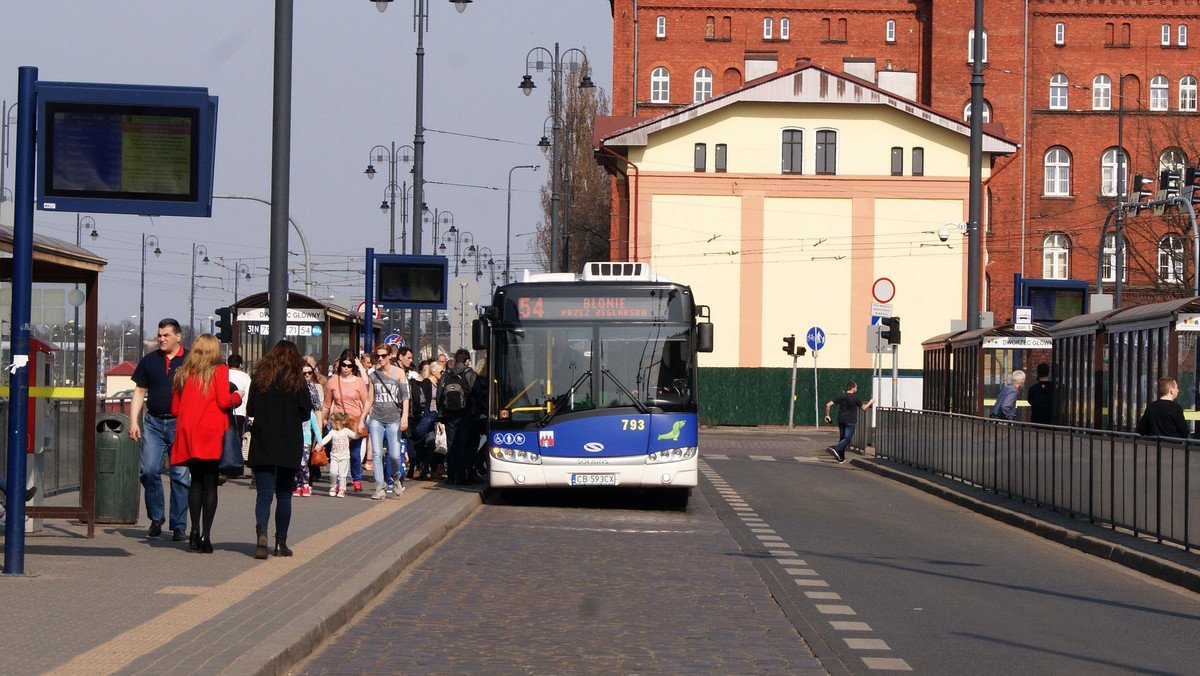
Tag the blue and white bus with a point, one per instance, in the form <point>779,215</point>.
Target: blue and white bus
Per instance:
<point>593,380</point>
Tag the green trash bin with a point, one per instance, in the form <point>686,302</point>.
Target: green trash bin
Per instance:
<point>117,486</point>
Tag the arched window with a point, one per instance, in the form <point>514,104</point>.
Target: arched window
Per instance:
<point>826,151</point>
<point>1158,92</point>
<point>1101,93</point>
<point>1187,93</point>
<point>1056,249</point>
<point>1170,259</point>
<point>1113,164</point>
<point>971,46</point>
<point>1058,92</point>
<point>660,85</point>
<point>793,151</point>
<point>1057,172</point>
<point>1108,271</point>
<point>1172,159</point>
<point>784,29</point>
<point>987,112</point>
<point>768,25</point>
<point>702,90</point>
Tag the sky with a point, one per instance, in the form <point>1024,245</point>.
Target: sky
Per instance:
<point>353,87</point>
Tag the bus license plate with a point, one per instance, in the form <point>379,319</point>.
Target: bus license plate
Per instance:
<point>593,479</point>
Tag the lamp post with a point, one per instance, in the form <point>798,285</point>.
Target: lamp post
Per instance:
<point>80,222</point>
<point>508,221</point>
<point>420,25</point>
<point>558,260</point>
<point>147,240</point>
<point>197,250</point>
<point>239,270</point>
<point>393,156</point>
<point>458,238</point>
<point>6,110</point>
<point>483,256</point>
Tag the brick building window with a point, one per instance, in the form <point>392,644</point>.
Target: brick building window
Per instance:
<point>918,161</point>
<point>1108,271</point>
<point>660,27</point>
<point>1158,92</point>
<point>768,27</point>
<point>710,28</point>
<point>1182,40</point>
<point>703,83</point>
<point>971,46</point>
<point>1170,259</point>
<point>660,85</point>
<point>1172,159</point>
<point>842,31</point>
<point>1060,33</point>
<point>700,157</point>
<point>719,159</point>
<point>1056,252</point>
<point>793,151</point>
<point>827,152</point>
<point>826,29</point>
<point>1187,93</point>
<point>1101,92</point>
<point>897,161</point>
<point>1057,172</point>
<point>1058,92</point>
<point>889,30</point>
<point>987,112</point>
<point>1166,35</point>
<point>1114,163</point>
<point>785,29</point>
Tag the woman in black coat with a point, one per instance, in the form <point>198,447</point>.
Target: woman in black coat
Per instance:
<point>279,404</point>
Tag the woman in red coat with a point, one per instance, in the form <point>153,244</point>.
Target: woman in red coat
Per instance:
<point>201,404</point>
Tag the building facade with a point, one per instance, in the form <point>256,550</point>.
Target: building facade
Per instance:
<point>1093,92</point>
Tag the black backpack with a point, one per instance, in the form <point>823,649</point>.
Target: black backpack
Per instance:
<point>456,391</point>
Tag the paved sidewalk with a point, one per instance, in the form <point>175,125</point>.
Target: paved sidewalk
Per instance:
<point>123,603</point>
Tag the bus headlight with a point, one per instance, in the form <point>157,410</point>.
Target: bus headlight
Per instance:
<point>516,455</point>
<point>671,455</point>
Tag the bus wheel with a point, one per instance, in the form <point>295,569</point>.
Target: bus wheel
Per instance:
<point>677,499</point>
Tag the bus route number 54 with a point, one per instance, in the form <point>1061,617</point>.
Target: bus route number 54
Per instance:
<point>529,307</point>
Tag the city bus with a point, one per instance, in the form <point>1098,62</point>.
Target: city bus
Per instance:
<point>592,380</point>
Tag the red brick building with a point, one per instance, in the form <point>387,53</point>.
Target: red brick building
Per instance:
<point>1073,81</point>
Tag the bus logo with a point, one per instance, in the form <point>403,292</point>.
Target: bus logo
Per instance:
<point>593,447</point>
<point>546,439</point>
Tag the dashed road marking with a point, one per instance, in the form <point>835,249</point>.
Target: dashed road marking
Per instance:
<point>764,458</point>
<point>867,644</point>
<point>886,664</point>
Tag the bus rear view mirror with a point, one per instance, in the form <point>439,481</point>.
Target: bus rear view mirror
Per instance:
<point>479,334</point>
<point>704,337</point>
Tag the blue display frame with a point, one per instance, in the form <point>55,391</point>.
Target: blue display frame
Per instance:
<point>434,269</point>
<point>106,99</point>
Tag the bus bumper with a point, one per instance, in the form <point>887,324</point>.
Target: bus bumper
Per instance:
<point>567,472</point>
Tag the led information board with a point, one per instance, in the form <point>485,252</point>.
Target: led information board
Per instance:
<point>566,308</point>
<point>410,282</point>
<point>125,149</point>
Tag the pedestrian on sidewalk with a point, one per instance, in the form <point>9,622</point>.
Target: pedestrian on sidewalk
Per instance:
<point>338,439</point>
<point>312,435</point>
<point>201,402</point>
<point>1041,397</point>
<point>1164,416</point>
<point>1006,402</point>
<point>346,391</point>
<point>279,403</point>
<point>848,407</point>
<point>455,406</point>
<point>387,420</point>
<point>153,381</point>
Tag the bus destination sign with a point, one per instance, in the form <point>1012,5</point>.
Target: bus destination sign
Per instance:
<point>552,308</point>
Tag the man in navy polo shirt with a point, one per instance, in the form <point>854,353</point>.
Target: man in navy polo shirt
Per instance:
<point>153,378</point>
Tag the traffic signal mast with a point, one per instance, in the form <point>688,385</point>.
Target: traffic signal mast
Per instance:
<point>1174,190</point>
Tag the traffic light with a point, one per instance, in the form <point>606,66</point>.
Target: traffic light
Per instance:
<point>891,330</point>
<point>1191,184</point>
<point>225,324</point>
<point>789,344</point>
<point>1141,188</point>
<point>1168,183</point>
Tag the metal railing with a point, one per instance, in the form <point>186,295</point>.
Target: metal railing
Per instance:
<point>1143,485</point>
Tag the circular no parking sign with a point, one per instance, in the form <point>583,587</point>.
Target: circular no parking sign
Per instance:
<point>884,290</point>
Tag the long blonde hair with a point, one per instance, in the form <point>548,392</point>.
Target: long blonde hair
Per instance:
<point>200,362</point>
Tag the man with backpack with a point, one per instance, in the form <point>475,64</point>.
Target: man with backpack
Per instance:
<point>457,413</point>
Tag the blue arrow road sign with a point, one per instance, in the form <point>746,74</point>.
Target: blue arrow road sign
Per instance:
<point>816,338</point>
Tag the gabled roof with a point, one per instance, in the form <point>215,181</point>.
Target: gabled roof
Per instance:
<point>806,83</point>
<point>125,368</point>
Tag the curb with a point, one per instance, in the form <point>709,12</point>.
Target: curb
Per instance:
<point>1148,564</point>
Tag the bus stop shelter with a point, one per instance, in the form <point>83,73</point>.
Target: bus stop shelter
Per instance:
<point>1078,369</point>
<point>982,360</point>
<point>319,329</point>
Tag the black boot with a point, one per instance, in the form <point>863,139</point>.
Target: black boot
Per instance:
<point>194,541</point>
<point>260,549</point>
<point>281,548</point>
<point>206,545</point>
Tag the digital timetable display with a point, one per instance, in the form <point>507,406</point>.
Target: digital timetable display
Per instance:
<point>566,308</point>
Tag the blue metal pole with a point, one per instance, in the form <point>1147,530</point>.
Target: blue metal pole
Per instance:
<point>369,300</point>
<point>22,290</point>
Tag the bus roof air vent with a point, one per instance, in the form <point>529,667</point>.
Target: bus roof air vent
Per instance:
<point>616,272</point>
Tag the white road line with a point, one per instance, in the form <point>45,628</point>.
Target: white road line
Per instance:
<point>835,610</point>
<point>808,459</point>
<point>764,537</point>
<point>716,456</point>
<point>886,664</point>
<point>763,458</point>
<point>792,562</point>
<point>811,583</point>
<point>823,596</point>
<point>867,644</point>
<point>850,626</point>
<point>803,572</point>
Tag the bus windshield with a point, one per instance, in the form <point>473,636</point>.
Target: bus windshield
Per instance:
<point>547,370</point>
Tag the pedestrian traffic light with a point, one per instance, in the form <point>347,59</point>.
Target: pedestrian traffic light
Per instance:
<point>225,324</point>
<point>891,330</point>
<point>789,344</point>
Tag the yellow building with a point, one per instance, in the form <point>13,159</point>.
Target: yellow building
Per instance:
<point>781,203</point>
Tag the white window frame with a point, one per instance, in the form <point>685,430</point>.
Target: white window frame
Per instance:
<point>889,30</point>
<point>1111,163</point>
<point>1182,39</point>
<point>702,85</point>
<point>660,85</point>
<point>785,29</point>
<point>1059,91</point>
<point>1172,159</point>
<point>1101,92</point>
<point>1159,93</point>
<point>1166,35</point>
<point>1060,33</point>
<point>660,27</point>
<point>1056,256</point>
<point>987,112</point>
<point>971,46</point>
<point>1056,172</point>
<point>1107,271</point>
<point>768,27</point>
<point>1170,259</point>
<point>1187,93</point>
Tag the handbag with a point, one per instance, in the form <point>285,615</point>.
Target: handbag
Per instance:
<point>439,441</point>
<point>428,418</point>
<point>360,428</point>
<point>318,457</point>
<point>231,464</point>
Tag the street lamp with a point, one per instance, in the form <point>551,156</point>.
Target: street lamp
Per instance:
<point>439,218</point>
<point>147,240</point>
<point>508,221</point>
<point>393,156</point>
<point>238,271</point>
<point>558,260</point>
<point>458,238</point>
<point>80,222</point>
<point>197,250</point>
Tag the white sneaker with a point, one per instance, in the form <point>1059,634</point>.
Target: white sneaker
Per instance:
<point>333,492</point>
<point>399,489</point>
<point>380,494</point>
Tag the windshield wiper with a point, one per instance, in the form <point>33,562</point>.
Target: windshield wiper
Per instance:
<point>640,406</point>
<point>561,400</point>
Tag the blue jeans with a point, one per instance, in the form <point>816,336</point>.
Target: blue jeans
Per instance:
<point>273,481</point>
<point>847,433</point>
<point>377,430</point>
<point>158,435</point>
<point>356,459</point>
